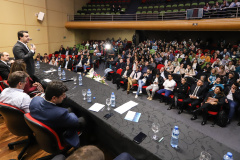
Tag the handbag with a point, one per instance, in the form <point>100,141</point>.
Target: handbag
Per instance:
<point>210,100</point>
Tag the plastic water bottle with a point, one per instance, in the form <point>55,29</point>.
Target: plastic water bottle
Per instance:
<point>63,75</point>
<point>175,137</point>
<point>228,156</point>
<point>89,96</point>
<point>38,65</point>
<point>80,80</point>
<point>112,100</point>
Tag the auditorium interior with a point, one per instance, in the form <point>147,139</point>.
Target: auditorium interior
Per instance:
<point>157,31</point>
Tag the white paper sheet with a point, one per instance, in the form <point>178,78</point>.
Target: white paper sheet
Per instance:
<point>132,116</point>
<point>125,107</point>
<point>47,80</point>
<point>49,71</point>
<point>96,107</point>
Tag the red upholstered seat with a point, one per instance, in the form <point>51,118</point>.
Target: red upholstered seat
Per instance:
<point>212,113</point>
<point>119,71</point>
<point>43,134</point>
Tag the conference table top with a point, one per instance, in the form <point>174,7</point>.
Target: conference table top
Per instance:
<point>118,133</point>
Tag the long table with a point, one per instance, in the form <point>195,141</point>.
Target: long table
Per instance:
<point>117,134</point>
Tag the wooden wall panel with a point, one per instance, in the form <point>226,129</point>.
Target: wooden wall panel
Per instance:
<point>230,24</point>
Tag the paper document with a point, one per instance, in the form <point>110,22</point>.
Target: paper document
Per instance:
<point>49,71</point>
<point>132,116</point>
<point>125,107</point>
<point>47,80</point>
<point>96,107</point>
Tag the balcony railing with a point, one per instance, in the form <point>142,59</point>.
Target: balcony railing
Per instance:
<point>224,13</point>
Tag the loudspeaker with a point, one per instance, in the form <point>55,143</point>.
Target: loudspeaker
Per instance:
<point>40,16</point>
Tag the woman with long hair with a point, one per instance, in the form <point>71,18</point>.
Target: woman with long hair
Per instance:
<point>213,102</point>
<point>30,86</point>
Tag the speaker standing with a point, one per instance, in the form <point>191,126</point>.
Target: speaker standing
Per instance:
<point>21,51</point>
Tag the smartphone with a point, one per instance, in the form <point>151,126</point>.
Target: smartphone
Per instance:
<point>139,138</point>
<point>107,116</point>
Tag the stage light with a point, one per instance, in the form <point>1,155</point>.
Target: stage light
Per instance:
<point>107,46</point>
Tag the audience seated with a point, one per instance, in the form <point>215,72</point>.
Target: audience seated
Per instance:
<point>14,95</point>
<point>193,60</point>
<point>5,65</point>
<point>196,95</point>
<point>168,85</point>
<point>133,78</point>
<point>67,63</point>
<point>31,87</point>
<point>145,79</point>
<point>181,92</point>
<point>213,101</point>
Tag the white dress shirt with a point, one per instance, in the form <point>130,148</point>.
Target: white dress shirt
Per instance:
<point>26,46</point>
<point>230,96</point>
<point>16,97</point>
<point>66,64</point>
<point>169,85</point>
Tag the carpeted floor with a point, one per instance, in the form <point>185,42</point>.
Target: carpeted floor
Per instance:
<point>228,135</point>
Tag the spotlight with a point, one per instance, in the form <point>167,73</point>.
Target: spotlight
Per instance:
<point>107,46</point>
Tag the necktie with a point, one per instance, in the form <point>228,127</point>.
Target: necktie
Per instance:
<point>195,91</point>
<point>135,75</point>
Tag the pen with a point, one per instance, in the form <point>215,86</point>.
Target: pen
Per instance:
<point>160,139</point>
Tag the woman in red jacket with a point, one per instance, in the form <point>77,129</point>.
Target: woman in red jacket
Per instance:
<point>30,86</point>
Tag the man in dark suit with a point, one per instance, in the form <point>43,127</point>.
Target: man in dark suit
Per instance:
<point>62,50</point>
<point>80,63</point>
<point>68,51</point>
<point>4,66</point>
<point>47,111</point>
<point>21,51</point>
<point>124,77</point>
<point>120,65</point>
<point>232,99</point>
<point>67,64</point>
<point>196,95</point>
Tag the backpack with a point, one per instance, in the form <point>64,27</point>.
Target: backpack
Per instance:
<point>222,119</point>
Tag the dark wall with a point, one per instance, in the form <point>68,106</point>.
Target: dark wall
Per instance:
<point>211,36</point>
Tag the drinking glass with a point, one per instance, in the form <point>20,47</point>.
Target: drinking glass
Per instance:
<point>108,102</point>
<point>84,92</point>
<point>75,79</point>
<point>155,128</point>
<point>205,156</point>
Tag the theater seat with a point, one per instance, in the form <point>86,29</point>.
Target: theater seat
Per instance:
<point>14,120</point>
<point>46,137</point>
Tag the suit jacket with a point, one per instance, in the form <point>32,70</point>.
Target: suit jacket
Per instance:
<point>128,72</point>
<point>83,61</point>
<point>59,119</point>
<point>148,80</point>
<point>236,95</point>
<point>69,66</point>
<point>21,52</point>
<point>120,65</point>
<point>63,51</point>
<point>4,70</point>
<point>182,90</point>
<point>200,92</point>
